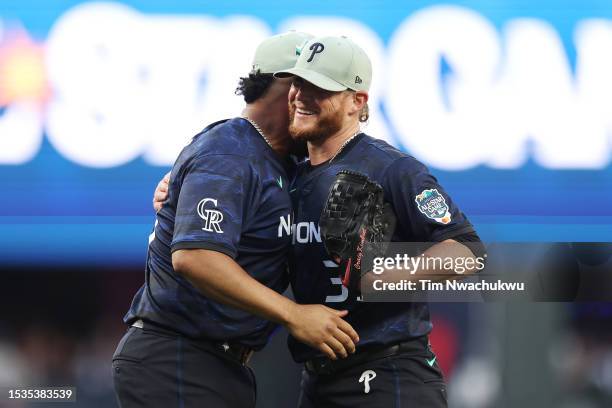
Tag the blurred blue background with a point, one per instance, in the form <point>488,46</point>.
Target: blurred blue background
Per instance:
<point>505,101</point>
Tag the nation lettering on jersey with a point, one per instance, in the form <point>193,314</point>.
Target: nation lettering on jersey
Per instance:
<point>303,232</point>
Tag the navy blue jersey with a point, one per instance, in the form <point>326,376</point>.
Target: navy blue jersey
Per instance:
<point>425,213</point>
<point>228,192</point>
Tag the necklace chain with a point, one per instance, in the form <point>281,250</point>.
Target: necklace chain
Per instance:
<point>261,133</point>
<point>347,141</point>
<point>258,129</point>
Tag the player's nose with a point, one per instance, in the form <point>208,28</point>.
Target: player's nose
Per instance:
<point>303,94</point>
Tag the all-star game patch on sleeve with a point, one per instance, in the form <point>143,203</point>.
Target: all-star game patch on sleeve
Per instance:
<point>424,210</point>
<point>213,203</point>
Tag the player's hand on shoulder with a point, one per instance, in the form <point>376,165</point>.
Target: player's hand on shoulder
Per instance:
<point>323,328</point>
<point>161,192</point>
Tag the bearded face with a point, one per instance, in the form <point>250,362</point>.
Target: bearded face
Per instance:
<point>314,113</point>
<point>307,126</point>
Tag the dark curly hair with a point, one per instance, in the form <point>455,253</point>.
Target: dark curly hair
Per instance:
<point>252,87</point>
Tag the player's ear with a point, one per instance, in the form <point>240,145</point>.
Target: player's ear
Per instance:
<point>360,98</point>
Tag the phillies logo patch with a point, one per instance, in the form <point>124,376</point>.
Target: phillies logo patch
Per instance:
<point>316,48</point>
<point>212,218</point>
<point>433,205</point>
<point>366,377</point>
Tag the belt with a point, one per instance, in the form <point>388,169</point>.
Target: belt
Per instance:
<point>237,352</point>
<point>325,366</point>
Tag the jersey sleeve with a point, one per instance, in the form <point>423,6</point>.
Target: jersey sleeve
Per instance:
<point>425,212</point>
<point>213,203</point>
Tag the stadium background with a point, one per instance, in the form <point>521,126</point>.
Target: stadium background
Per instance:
<point>508,102</point>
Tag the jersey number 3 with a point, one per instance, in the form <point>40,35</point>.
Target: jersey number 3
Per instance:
<point>336,281</point>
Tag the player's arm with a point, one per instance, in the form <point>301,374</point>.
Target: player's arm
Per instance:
<point>215,202</point>
<point>425,210</point>
<point>220,278</point>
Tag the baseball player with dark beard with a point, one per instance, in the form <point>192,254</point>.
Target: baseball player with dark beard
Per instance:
<point>216,264</point>
<point>393,365</point>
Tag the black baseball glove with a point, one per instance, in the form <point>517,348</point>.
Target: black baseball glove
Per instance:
<point>356,225</point>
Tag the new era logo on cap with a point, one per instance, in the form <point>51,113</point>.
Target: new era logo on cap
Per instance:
<point>358,80</point>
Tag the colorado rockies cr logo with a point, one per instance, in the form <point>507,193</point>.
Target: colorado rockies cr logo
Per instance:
<point>316,48</point>
<point>212,218</point>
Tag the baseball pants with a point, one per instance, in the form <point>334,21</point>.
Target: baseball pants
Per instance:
<point>399,381</point>
<point>153,369</point>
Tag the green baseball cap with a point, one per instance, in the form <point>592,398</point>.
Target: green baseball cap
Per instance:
<point>279,52</point>
<point>332,63</point>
